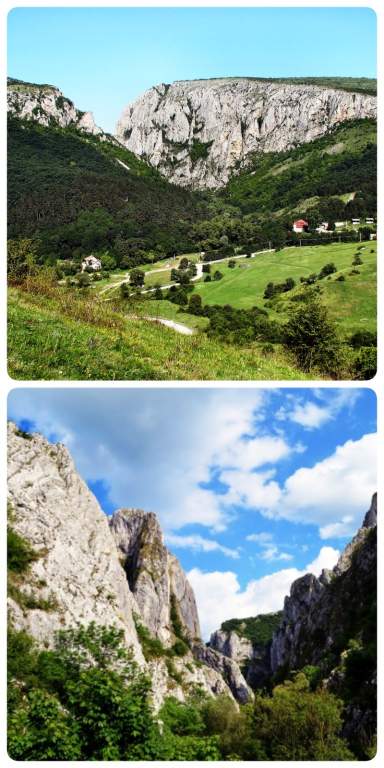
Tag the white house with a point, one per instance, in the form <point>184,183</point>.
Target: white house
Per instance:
<point>91,262</point>
<point>323,227</point>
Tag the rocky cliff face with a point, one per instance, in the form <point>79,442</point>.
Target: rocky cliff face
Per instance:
<point>88,569</point>
<point>321,612</point>
<point>197,133</point>
<point>48,106</point>
<point>154,575</point>
<point>78,577</point>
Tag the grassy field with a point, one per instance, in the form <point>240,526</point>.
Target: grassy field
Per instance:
<point>352,303</point>
<point>60,337</point>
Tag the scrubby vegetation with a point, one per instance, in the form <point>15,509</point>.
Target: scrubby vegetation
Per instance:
<point>257,629</point>
<point>86,699</point>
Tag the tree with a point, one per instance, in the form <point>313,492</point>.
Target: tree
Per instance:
<point>297,724</point>
<point>22,260</point>
<point>124,290</point>
<point>206,268</point>
<point>195,304</point>
<point>311,335</point>
<point>231,263</point>
<point>183,263</point>
<point>269,291</point>
<point>136,278</point>
<point>218,275</point>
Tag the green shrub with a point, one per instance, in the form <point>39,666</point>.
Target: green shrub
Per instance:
<point>20,554</point>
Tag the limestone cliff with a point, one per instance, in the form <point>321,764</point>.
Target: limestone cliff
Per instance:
<point>198,132</point>
<point>113,573</point>
<point>248,643</point>
<point>321,612</point>
<point>154,575</point>
<point>77,577</point>
<point>48,106</point>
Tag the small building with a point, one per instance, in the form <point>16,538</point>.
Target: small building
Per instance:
<point>355,221</point>
<point>373,236</point>
<point>323,227</point>
<point>340,224</point>
<point>91,262</point>
<point>300,225</point>
<point>369,220</point>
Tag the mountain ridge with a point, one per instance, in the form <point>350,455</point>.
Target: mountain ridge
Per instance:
<point>199,133</point>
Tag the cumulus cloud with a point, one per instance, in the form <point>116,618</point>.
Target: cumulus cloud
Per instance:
<point>312,414</point>
<point>197,543</point>
<point>220,597</point>
<point>334,493</point>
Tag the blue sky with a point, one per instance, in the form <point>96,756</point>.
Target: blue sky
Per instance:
<point>252,487</point>
<point>103,58</point>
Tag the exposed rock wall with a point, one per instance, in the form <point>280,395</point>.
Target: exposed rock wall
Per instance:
<point>78,572</point>
<point>154,575</point>
<point>46,105</point>
<point>227,668</point>
<point>320,612</point>
<point>198,132</point>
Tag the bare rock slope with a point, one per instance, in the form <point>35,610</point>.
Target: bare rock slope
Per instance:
<point>198,132</point>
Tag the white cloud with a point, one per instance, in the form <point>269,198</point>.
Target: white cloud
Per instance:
<point>312,415</point>
<point>219,595</point>
<point>198,543</point>
<point>269,550</point>
<point>334,493</point>
<point>253,453</point>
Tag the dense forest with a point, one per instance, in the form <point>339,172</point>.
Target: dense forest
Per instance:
<point>69,191</point>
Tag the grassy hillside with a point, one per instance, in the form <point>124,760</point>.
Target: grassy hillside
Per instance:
<point>343,161</point>
<point>352,302</point>
<point>59,336</point>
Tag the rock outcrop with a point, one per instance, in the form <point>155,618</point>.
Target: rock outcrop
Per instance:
<point>321,612</point>
<point>46,105</point>
<point>248,643</point>
<point>154,575</point>
<point>77,577</point>
<point>228,669</point>
<point>197,133</point>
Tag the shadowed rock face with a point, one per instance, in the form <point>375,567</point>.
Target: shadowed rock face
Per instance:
<point>198,132</point>
<point>154,575</point>
<point>320,610</point>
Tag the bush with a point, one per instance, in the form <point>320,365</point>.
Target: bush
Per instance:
<point>328,269</point>
<point>311,336</point>
<point>365,365</point>
<point>20,554</point>
<point>195,305</point>
<point>218,275</point>
<point>231,263</point>
<point>340,279</point>
<point>363,339</point>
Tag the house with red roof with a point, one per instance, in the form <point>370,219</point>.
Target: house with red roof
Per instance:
<point>300,225</point>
